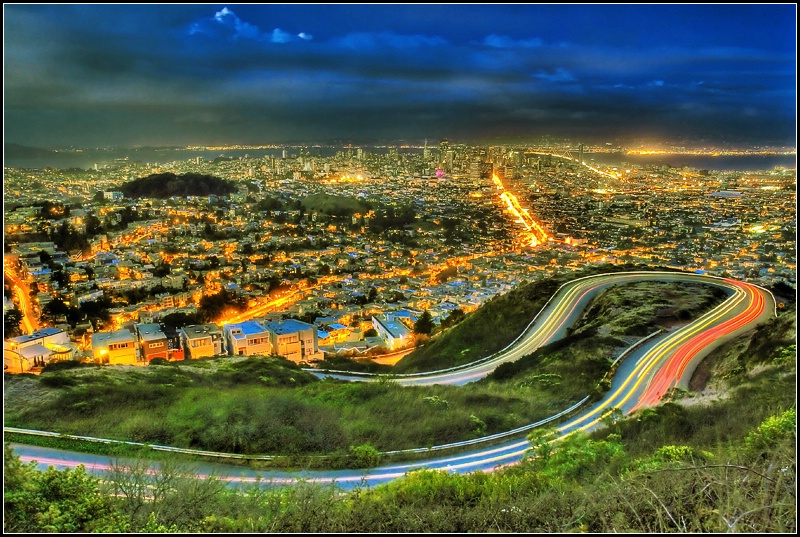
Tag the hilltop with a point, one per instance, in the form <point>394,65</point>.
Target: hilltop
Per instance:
<point>167,185</point>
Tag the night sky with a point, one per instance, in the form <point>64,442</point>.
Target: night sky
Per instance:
<point>223,74</point>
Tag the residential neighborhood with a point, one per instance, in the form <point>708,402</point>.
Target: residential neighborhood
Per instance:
<point>326,251</point>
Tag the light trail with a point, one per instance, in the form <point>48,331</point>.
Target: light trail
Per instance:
<point>29,321</point>
<point>670,375</point>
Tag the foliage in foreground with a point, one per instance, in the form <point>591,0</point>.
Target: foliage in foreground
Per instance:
<point>584,484</point>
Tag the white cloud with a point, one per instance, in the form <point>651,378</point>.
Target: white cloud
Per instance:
<point>227,21</point>
<point>279,36</point>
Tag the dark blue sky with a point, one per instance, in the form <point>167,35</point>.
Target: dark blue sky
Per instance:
<point>225,73</point>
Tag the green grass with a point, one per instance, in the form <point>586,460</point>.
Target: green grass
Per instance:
<point>496,324</point>
<point>262,406</point>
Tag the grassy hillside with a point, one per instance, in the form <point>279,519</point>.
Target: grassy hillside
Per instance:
<point>722,464</point>
<point>500,321</point>
<point>166,185</point>
<point>270,406</point>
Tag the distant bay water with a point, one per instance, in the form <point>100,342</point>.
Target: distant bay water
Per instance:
<point>101,158</point>
<point>701,162</point>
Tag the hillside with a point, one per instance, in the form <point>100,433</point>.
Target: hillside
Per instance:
<point>726,465</point>
<point>496,324</point>
<point>167,185</point>
<point>270,406</point>
<point>334,205</point>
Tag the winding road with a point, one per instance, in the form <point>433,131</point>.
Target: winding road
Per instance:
<point>644,375</point>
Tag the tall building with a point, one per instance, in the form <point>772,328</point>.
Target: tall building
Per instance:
<point>444,149</point>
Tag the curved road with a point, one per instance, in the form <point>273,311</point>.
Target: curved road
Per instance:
<point>642,379</point>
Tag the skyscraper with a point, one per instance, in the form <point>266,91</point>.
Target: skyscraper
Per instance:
<point>444,148</point>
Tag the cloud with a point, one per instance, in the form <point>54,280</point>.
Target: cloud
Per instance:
<point>369,42</point>
<point>559,75</point>
<point>279,36</point>
<point>501,41</point>
<point>226,23</point>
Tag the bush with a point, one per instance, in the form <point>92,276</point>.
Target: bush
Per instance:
<point>772,431</point>
<point>57,381</point>
<point>364,456</point>
<point>64,365</point>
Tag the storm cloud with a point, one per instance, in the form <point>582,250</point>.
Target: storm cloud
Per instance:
<point>202,74</point>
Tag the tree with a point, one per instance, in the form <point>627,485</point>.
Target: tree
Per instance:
<point>179,319</point>
<point>163,269</point>
<point>11,321</point>
<point>455,316</point>
<point>372,294</point>
<point>424,324</point>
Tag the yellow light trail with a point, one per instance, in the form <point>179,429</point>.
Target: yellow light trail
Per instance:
<point>537,233</point>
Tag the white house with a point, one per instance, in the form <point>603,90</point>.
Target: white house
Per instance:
<point>392,331</point>
<point>247,339</point>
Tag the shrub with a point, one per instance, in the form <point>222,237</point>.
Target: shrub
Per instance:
<point>772,431</point>
<point>57,381</point>
<point>364,456</point>
<point>63,365</point>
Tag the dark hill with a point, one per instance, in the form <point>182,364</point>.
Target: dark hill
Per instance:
<point>167,185</point>
<point>335,205</point>
<point>11,150</point>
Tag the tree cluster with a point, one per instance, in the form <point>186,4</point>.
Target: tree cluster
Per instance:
<point>167,185</point>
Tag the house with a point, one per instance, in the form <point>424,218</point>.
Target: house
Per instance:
<point>202,340</point>
<point>174,346</point>
<point>247,339</point>
<point>152,342</point>
<point>42,347</point>
<point>295,340</point>
<point>116,347</point>
<point>392,331</point>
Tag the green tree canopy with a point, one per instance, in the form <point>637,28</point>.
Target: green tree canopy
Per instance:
<point>424,324</point>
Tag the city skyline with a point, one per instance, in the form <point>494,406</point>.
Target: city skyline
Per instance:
<point>227,74</point>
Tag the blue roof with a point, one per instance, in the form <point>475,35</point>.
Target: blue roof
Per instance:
<point>248,327</point>
<point>337,326</point>
<point>288,326</point>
